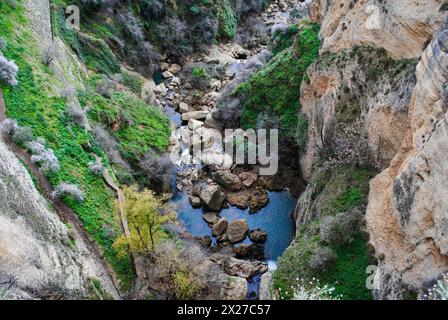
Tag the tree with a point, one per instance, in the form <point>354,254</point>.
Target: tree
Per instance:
<point>146,215</point>
<point>180,270</point>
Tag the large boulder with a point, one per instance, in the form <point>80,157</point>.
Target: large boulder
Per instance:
<point>211,217</point>
<point>248,178</point>
<point>237,230</point>
<point>258,236</point>
<point>196,115</point>
<point>249,251</point>
<point>212,197</point>
<point>240,268</point>
<point>228,180</point>
<point>220,227</point>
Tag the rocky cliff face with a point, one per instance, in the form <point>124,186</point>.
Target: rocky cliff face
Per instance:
<point>401,27</point>
<point>368,104</point>
<point>407,213</point>
<point>38,258</point>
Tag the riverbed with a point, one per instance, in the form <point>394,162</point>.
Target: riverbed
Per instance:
<point>275,218</point>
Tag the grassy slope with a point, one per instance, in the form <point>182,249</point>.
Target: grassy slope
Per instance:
<point>337,190</point>
<point>276,87</point>
<point>33,105</point>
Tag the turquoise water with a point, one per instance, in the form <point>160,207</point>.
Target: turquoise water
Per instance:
<point>275,218</point>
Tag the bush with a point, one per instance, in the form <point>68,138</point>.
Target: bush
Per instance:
<point>321,259</point>
<point>158,169</point>
<point>152,9</point>
<point>96,168</point>
<point>174,35</point>
<point>439,291</point>
<point>310,290</point>
<point>178,270</point>
<point>106,86</point>
<point>9,127</point>
<point>48,55</point>
<point>71,190</point>
<point>21,135</point>
<point>200,78</point>
<point>145,58</point>
<point>109,145</point>
<point>340,229</point>
<point>44,157</point>
<point>78,115</point>
<point>8,71</point>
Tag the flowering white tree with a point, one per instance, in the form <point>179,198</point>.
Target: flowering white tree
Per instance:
<point>310,290</point>
<point>65,189</point>
<point>8,71</point>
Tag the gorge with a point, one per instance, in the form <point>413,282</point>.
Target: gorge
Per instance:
<point>92,205</point>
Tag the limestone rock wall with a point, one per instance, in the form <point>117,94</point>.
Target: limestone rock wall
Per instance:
<point>36,253</point>
<point>407,214</point>
<point>402,27</point>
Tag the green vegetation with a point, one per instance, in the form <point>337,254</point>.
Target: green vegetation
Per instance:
<point>133,82</point>
<point>336,191</point>
<point>200,72</point>
<point>275,89</point>
<point>284,39</point>
<point>227,18</point>
<point>32,103</point>
<point>146,215</point>
<point>137,126</point>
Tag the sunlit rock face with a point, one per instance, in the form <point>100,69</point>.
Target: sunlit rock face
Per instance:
<point>407,215</point>
<point>403,28</point>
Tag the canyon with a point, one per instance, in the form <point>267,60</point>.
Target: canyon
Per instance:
<point>357,90</point>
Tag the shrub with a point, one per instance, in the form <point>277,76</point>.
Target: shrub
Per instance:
<point>439,291</point>
<point>23,135</point>
<point>152,9</point>
<point>19,134</point>
<point>145,58</point>
<point>9,127</point>
<point>174,35</point>
<point>341,228</point>
<point>44,157</point>
<point>78,115</point>
<point>109,145</point>
<point>158,169</point>
<point>71,190</point>
<point>321,259</point>
<point>48,55</point>
<point>178,270</point>
<point>310,290</point>
<point>106,86</point>
<point>96,168</point>
<point>200,78</point>
<point>67,92</point>
<point>8,71</point>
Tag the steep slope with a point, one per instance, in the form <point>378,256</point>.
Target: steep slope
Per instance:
<point>406,216</point>
<point>401,27</point>
<point>359,97</point>
<point>39,256</point>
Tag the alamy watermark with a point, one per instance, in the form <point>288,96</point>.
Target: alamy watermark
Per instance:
<point>232,146</point>
<point>73,17</point>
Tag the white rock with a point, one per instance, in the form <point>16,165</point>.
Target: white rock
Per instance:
<point>183,107</point>
<point>167,75</point>
<point>197,115</point>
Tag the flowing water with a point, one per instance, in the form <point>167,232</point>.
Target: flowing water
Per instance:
<point>275,218</point>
